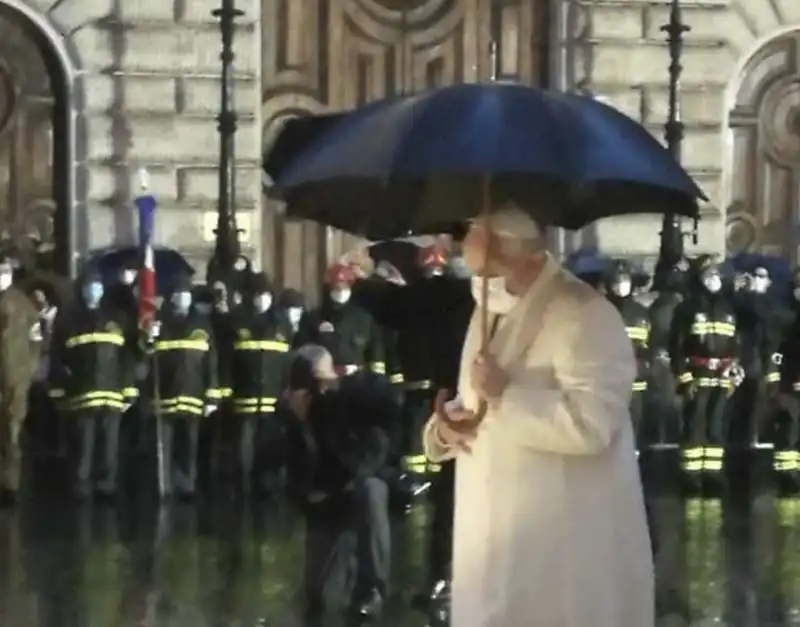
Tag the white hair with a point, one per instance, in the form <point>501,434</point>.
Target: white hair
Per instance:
<point>517,231</point>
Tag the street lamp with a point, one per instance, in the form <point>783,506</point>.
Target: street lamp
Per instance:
<point>227,262</point>
<point>671,248</point>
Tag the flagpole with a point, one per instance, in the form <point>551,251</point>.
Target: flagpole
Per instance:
<point>223,265</point>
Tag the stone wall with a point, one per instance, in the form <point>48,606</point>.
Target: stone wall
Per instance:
<point>146,94</point>
<point>617,52</point>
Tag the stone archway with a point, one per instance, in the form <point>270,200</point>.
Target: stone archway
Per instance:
<point>37,171</point>
<point>764,209</point>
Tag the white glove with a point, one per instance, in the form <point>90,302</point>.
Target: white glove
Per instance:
<point>126,407</point>
<point>154,330</point>
<point>210,409</point>
<point>35,332</point>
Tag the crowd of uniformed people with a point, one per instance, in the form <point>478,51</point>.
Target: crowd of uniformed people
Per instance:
<point>251,394</point>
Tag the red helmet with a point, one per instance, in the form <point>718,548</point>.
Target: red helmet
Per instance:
<point>433,256</point>
<point>340,273</point>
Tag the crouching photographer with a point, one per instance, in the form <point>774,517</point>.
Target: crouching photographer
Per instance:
<point>336,450</point>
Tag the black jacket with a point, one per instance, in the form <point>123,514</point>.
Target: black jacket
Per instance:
<point>343,439</point>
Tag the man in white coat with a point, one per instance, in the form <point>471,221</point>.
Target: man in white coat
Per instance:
<point>550,527</point>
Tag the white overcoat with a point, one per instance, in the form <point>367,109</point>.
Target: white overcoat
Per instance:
<point>550,527</point>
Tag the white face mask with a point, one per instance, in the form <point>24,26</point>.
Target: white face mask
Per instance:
<point>182,301</point>
<point>294,314</point>
<point>6,279</point>
<point>262,302</point>
<point>622,288</point>
<point>760,284</point>
<point>500,300</point>
<point>128,277</point>
<point>340,296</point>
<point>713,283</point>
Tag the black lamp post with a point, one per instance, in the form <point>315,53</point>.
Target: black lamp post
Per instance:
<point>671,248</point>
<point>227,262</point>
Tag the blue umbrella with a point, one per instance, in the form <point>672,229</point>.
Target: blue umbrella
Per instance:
<point>170,264</point>
<point>421,163</point>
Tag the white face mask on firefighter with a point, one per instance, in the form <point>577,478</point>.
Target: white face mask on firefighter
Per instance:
<point>182,301</point>
<point>128,277</point>
<point>262,302</point>
<point>622,288</point>
<point>713,283</point>
<point>760,284</point>
<point>92,293</point>
<point>6,279</point>
<point>340,296</point>
<point>294,314</point>
<point>500,301</point>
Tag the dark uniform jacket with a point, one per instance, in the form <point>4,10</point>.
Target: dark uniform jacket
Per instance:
<point>430,319</point>
<point>790,356</point>
<point>637,327</point>
<point>760,330</point>
<point>222,332</point>
<point>90,365</point>
<point>185,363</point>
<point>350,333</point>
<point>704,338</point>
<point>259,355</point>
<point>343,438</point>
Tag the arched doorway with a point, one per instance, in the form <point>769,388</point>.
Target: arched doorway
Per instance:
<point>764,209</point>
<point>35,148</point>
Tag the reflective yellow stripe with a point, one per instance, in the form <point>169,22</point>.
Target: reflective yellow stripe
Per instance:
<point>396,378</point>
<point>639,334</point>
<point>266,400</point>
<point>182,409</point>
<point>639,386</point>
<point>686,377</point>
<point>262,345</point>
<point>130,392</point>
<point>177,345</point>
<point>183,400</point>
<point>714,382</point>
<point>773,377</point>
<point>264,409</point>
<point>214,394</point>
<point>415,463</point>
<point>725,329</point>
<point>56,393</point>
<point>378,367</point>
<point>692,459</point>
<point>95,338</point>
<point>97,398</point>
<point>419,385</point>
<point>225,392</point>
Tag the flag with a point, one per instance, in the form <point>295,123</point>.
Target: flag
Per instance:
<point>146,204</point>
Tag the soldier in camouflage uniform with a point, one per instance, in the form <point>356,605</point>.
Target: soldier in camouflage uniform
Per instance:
<point>19,355</point>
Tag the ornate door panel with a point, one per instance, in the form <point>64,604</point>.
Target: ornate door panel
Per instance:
<point>27,107</point>
<point>764,213</point>
<point>338,54</point>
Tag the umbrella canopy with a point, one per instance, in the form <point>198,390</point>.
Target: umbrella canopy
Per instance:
<point>419,164</point>
<point>169,263</point>
<point>296,135</point>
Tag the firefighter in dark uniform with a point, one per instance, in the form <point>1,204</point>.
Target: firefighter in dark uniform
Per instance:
<point>91,380</point>
<point>704,357</point>
<point>662,402</point>
<point>346,330</point>
<point>786,459</point>
<point>259,357</point>
<point>752,405</point>
<point>292,304</point>
<point>619,290</point>
<point>185,372</point>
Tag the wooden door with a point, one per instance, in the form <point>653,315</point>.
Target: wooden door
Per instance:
<point>27,108</point>
<point>764,213</point>
<point>339,54</point>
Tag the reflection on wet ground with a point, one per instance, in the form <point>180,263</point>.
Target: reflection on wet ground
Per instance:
<point>725,562</point>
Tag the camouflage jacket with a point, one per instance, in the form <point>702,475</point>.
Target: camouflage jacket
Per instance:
<point>19,356</point>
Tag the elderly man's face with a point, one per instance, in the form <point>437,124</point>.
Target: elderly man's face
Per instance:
<point>481,251</point>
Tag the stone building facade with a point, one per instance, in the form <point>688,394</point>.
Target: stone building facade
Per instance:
<point>136,83</point>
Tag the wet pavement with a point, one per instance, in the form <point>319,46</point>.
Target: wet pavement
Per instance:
<point>730,562</point>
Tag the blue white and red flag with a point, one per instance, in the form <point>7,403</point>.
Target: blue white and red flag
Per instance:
<point>146,204</point>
